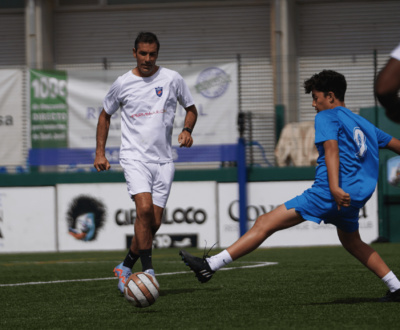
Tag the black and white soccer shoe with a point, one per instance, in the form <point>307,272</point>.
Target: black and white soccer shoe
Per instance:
<point>391,296</point>
<point>198,265</point>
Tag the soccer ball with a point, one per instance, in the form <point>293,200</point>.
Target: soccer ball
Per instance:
<point>141,289</point>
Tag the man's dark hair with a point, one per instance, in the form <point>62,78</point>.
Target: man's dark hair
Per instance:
<point>327,81</point>
<point>147,37</point>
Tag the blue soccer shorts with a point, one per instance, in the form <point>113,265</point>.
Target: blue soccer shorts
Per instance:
<point>313,207</point>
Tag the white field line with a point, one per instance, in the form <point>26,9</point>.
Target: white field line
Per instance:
<point>252,265</point>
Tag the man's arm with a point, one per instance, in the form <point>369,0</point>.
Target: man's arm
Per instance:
<point>332,164</point>
<point>394,145</point>
<point>387,86</point>
<point>103,125</point>
<point>185,138</point>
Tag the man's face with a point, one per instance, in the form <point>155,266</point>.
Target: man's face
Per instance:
<point>320,101</point>
<point>146,57</point>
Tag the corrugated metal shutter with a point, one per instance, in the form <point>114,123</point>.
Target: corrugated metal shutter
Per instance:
<point>12,39</point>
<point>188,35</point>
<point>185,33</point>
<point>342,36</point>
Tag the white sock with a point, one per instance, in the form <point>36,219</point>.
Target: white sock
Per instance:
<point>391,281</point>
<point>219,260</point>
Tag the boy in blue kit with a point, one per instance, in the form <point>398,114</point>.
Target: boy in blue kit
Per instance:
<point>345,179</point>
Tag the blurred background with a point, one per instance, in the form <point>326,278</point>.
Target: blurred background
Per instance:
<point>244,61</point>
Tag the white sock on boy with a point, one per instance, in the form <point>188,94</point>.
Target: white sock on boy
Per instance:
<point>391,281</point>
<point>219,260</point>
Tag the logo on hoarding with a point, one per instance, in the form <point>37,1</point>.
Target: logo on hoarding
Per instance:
<point>164,241</point>
<point>85,216</point>
<point>6,120</point>
<point>212,82</point>
<point>254,211</point>
<point>189,215</point>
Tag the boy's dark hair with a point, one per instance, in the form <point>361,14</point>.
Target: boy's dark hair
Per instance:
<point>327,81</point>
<point>147,37</point>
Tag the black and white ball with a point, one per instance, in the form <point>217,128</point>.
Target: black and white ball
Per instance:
<point>141,289</point>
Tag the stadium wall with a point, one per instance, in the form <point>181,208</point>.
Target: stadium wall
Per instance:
<point>100,216</point>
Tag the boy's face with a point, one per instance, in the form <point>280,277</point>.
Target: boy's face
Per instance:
<point>320,101</point>
<point>146,57</point>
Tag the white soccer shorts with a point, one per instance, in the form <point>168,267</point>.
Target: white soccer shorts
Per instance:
<point>149,177</point>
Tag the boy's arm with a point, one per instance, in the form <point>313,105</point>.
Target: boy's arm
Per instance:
<point>394,145</point>
<point>332,164</point>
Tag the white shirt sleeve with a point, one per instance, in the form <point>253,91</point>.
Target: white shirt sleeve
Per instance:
<point>396,53</point>
<point>111,102</point>
<point>185,98</point>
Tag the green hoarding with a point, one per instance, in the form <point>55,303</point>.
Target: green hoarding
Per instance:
<point>49,115</point>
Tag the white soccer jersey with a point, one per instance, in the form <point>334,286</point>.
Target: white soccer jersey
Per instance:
<point>148,107</point>
<point>396,53</point>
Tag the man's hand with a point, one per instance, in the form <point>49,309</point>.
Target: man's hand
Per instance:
<point>185,139</point>
<point>341,198</point>
<point>101,164</point>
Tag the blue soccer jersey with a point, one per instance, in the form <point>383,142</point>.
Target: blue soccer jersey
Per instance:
<point>359,142</point>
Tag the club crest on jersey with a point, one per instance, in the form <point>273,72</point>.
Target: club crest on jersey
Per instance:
<point>158,91</point>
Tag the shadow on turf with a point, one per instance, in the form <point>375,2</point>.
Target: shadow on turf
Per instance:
<point>166,292</point>
<point>348,301</point>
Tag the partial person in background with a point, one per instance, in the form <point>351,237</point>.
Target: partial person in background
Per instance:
<point>345,179</point>
<point>387,86</point>
<point>147,96</point>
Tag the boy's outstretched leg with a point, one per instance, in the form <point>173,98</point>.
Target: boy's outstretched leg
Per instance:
<point>267,224</point>
<point>371,259</point>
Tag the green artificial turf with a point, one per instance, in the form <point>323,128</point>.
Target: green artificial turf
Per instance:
<point>308,288</point>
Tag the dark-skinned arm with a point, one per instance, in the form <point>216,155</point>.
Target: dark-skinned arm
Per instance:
<point>185,138</point>
<point>103,125</point>
<point>387,86</point>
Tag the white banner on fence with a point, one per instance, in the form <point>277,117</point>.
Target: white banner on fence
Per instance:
<point>101,216</point>
<point>11,118</point>
<point>265,196</point>
<point>214,90</point>
<point>27,219</point>
<point>86,91</point>
<point>215,94</point>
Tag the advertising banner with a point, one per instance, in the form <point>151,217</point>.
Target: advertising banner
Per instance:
<point>86,91</point>
<point>27,219</point>
<point>101,216</point>
<point>214,90</point>
<point>265,196</point>
<point>49,115</point>
<point>11,118</point>
<point>215,94</point>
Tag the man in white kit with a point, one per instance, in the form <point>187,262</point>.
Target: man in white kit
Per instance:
<point>387,86</point>
<point>147,96</point>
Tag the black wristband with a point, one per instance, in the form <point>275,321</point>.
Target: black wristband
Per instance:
<point>188,130</point>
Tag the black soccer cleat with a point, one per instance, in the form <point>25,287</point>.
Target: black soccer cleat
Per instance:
<point>391,296</point>
<point>198,265</point>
